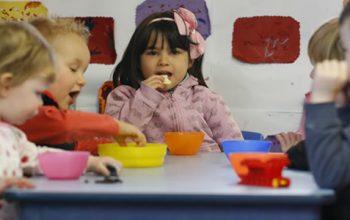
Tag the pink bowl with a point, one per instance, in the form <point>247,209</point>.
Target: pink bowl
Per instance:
<point>63,165</point>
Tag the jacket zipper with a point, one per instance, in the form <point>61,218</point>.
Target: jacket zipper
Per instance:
<point>174,111</point>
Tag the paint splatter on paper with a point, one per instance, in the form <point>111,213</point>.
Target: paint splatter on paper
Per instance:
<point>266,39</point>
<point>20,10</point>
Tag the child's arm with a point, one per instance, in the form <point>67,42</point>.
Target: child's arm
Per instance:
<point>136,107</point>
<point>297,156</point>
<point>53,126</point>
<point>327,141</point>
<point>7,182</point>
<point>220,120</point>
<point>288,139</point>
<point>327,145</point>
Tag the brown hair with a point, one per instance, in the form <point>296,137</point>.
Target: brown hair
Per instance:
<point>25,53</point>
<point>53,27</point>
<point>128,71</point>
<point>325,43</point>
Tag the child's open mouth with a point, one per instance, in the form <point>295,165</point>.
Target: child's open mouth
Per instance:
<point>169,74</point>
<point>74,96</point>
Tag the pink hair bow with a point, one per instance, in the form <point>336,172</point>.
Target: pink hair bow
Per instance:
<point>187,23</point>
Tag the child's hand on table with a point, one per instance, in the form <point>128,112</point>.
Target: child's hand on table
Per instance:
<point>289,139</point>
<point>99,165</point>
<point>129,132</point>
<point>6,183</point>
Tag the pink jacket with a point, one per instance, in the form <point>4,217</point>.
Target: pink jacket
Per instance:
<point>190,107</point>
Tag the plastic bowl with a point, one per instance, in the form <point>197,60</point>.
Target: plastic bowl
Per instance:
<point>64,165</point>
<point>237,146</point>
<point>184,143</point>
<point>237,158</point>
<point>150,155</point>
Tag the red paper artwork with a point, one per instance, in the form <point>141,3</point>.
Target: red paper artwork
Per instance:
<point>266,39</point>
<point>101,41</point>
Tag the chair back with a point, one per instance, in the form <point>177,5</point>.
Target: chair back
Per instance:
<point>251,135</point>
<point>103,92</point>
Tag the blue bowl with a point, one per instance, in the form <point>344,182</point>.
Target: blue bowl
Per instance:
<point>239,146</point>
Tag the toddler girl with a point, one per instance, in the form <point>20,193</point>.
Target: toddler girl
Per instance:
<point>160,86</point>
<point>27,67</point>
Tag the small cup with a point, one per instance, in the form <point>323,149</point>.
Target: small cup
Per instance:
<point>65,165</point>
<point>239,146</point>
<point>184,143</point>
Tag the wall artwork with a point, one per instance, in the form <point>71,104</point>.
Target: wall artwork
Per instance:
<point>266,39</point>
<point>101,41</point>
<point>19,10</point>
<point>198,7</point>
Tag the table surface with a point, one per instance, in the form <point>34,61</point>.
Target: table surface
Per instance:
<point>204,177</point>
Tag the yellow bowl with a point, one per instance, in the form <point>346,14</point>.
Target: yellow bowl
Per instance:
<point>132,156</point>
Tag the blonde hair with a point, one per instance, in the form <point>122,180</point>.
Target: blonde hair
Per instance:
<point>325,43</point>
<point>25,53</point>
<point>53,27</point>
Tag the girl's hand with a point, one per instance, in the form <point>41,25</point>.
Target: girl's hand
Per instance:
<point>287,140</point>
<point>99,165</point>
<point>129,132</point>
<point>155,82</point>
<point>330,78</point>
<point>6,183</point>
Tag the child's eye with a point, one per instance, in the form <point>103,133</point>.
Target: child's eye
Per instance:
<point>74,67</point>
<point>151,52</point>
<point>177,51</point>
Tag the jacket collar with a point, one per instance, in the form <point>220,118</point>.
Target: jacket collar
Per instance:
<point>189,82</point>
<point>48,99</point>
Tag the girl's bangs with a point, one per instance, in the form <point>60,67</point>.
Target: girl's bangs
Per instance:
<point>168,31</point>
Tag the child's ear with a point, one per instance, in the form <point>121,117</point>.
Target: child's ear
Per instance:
<point>5,83</point>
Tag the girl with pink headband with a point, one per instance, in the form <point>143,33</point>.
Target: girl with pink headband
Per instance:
<point>160,86</point>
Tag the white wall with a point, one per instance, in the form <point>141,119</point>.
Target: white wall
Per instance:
<point>264,97</point>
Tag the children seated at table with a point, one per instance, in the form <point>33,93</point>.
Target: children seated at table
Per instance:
<point>56,125</point>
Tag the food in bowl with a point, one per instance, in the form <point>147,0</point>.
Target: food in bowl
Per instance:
<point>63,165</point>
<point>184,143</point>
<point>134,156</point>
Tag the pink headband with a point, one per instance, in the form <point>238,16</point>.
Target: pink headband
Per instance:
<point>186,23</point>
